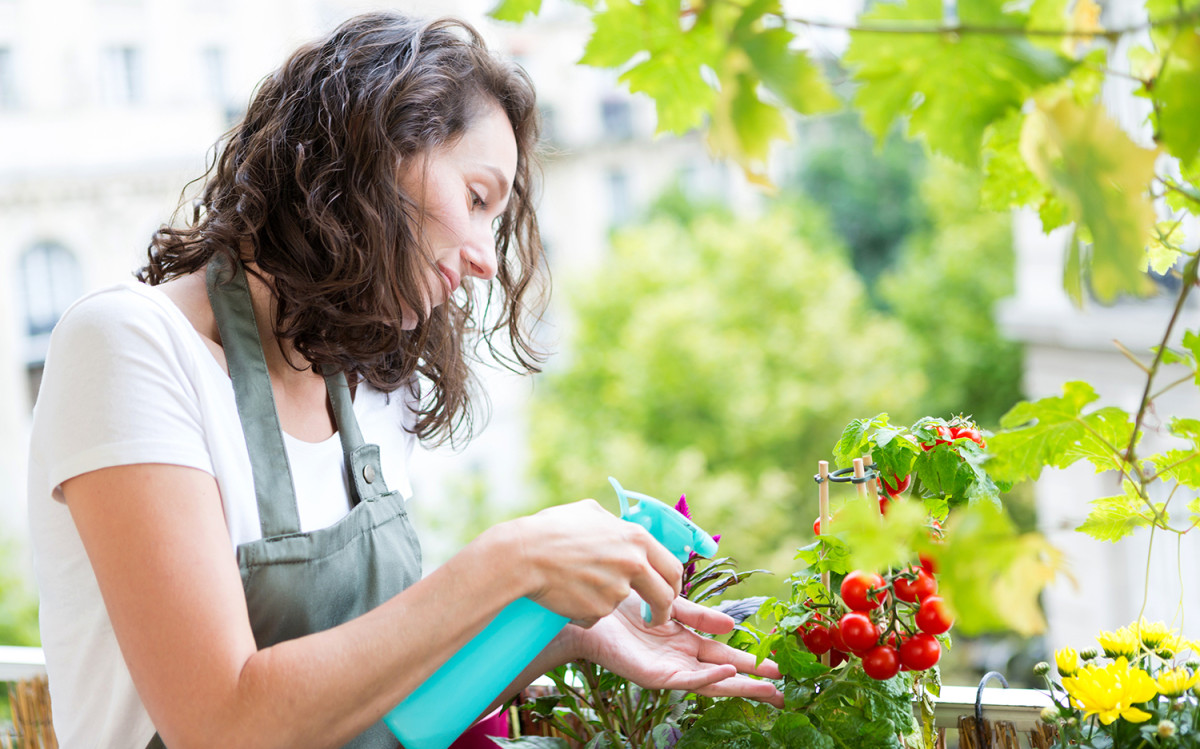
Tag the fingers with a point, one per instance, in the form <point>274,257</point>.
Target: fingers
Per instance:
<point>702,618</point>
<point>743,686</point>
<point>712,651</point>
<point>660,581</point>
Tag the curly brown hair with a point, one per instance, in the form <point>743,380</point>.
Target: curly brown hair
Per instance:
<point>308,187</point>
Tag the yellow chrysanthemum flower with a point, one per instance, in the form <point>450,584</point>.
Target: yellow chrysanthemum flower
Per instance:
<point>1154,634</point>
<point>1067,661</point>
<point>1112,691</point>
<point>1122,643</point>
<point>1174,682</point>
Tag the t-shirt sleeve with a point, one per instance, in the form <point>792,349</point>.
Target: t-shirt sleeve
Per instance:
<point>116,390</point>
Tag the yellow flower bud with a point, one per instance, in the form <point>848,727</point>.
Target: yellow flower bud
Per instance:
<point>1067,661</point>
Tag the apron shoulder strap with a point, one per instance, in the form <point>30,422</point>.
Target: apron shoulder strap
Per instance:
<point>362,459</point>
<point>273,489</point>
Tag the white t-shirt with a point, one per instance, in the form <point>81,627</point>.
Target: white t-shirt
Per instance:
<point>129,380</point>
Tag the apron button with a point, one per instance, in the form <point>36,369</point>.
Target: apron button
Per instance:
<point>369,473</point>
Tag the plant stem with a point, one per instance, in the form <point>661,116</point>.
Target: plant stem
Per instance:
<point>1189,278</point>
<point>931,28</point>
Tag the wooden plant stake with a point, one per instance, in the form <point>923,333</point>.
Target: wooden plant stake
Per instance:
<point>826,521</point>
<point>872,488</point>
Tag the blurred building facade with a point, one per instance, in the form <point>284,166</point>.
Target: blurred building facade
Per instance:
<point>1111,581</point>
<point>108,108</point>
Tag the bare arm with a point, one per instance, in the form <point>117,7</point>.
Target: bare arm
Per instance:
<point>156,538</point>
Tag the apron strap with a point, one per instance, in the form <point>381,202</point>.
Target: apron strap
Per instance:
<point>362,459</point>
<point>230,298</point>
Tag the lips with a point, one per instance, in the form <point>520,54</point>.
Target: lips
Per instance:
<point>451,278</point>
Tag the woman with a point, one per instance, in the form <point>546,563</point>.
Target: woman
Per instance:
<point>221,560</point>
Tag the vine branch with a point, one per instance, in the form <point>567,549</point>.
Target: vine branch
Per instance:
<point>983,30</point>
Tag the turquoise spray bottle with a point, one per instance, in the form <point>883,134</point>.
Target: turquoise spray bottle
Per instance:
<point>451,700</point>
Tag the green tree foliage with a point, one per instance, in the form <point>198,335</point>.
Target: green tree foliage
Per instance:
<point>944,288</point>
<point>18,603</point>
<point>720,357</point>
<point>871,194</point>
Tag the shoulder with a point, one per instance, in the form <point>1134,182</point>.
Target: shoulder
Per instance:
<point>119,309</point>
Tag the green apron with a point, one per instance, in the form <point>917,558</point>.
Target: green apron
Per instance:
<point>299,583</point>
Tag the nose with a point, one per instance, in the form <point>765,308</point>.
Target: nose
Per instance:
<point>479,256</point>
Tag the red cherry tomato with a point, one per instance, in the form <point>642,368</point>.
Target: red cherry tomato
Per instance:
<point>837,658</point>
<point>883,505</point>
<point>858,632</point>
<point>915,590</point>
<point>835,638</point>
<point>919,652</point>
<point>881,662</point>
<point>855,589</point>
<point>934,616</point>
<point>896,486</point>
<point>927,563</point>
<point>971,433</point>
<point>817,640</point>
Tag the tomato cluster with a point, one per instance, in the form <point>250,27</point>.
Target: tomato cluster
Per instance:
<point>890,622</point>
<point>957,429</point>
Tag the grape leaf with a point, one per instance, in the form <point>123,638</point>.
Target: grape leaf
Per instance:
<point>743,126</point>
<point>949,87</point>
<point>1055,431</point>
<point>515,10</point>
<point>787,73</point>
<point>1178,465</point>
<point>1163,250</point>
<point>1176,95</point>
<point>1103,177</point>
<point>1113,518</point>
<point>670,72</point>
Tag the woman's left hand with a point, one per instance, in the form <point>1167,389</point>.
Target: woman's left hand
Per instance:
<point>671,656</point>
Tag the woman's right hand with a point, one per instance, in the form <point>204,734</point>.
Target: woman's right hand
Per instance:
<point>581,561</point>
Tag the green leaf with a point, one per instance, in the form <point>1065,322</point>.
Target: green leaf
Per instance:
<point>789,73</point>
<point>1186,428</point>
<point>991,574</point>
<point>1176,96</point>
<point>1113,518</point>
<point>674,58</point>
<point>1008,181</point>
<point>735,723</point>
<point>877,543</point>
<point>1178,465</point>
<point>1163,250</point>
<point>1106,435</point>
<point>515,10</point>
<point>949,87</point>
<point>854,440</point>
<point>796,730</point>
<point>744,126</point>
<point>532,742</point>
<point>1103,177</point>
<point>1055,432</point>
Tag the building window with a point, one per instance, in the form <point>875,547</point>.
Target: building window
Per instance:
<point>616,117</point>
<point>213,62</point>
<point>48,281</point>
<point>121,71</point>
<point>8,80</point>
<point>619,200</point>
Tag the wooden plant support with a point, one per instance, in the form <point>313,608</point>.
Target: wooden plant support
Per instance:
<point>826,521</point>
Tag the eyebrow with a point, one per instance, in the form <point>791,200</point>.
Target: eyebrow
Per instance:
<point>500,178</point>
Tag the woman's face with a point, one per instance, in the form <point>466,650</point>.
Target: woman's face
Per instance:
<point>462,190</point>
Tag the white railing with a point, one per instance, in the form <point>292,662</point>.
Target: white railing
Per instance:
<point>17,664</point>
